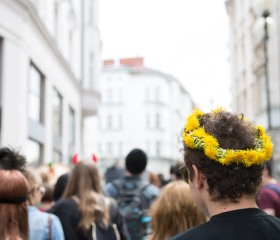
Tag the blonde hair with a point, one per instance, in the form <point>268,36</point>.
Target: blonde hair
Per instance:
<point>34,179</point>
<point>174,212</point>
<point>84,181</point>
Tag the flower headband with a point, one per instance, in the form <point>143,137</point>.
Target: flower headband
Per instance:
<point>195,137</point>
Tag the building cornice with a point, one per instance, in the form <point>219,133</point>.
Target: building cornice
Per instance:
<point>35,19</point>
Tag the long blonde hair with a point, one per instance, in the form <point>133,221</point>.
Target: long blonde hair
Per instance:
<point>174,212</point>
<point>84,181</point>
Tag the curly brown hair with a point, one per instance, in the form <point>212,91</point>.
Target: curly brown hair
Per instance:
<point>226,182</point>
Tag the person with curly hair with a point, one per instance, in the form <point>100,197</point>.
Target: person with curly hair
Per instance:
<point>224,155</point>
<point>169,219</point>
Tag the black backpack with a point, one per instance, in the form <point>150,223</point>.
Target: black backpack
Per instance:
<point>133,205</point>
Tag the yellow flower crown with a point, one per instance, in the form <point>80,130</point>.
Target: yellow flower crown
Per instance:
<point>195,137</point>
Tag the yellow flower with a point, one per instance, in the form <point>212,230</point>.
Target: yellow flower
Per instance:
<point>243,118</point>
<point>188,140</point>
<point>261,131</point>
<point>268,149</point>
<point>192,123</point>
<point>200,132</point>
<point>261,157</point>
<point>211,152</point>
<point>251,158</point>
<point>217,109</point>
<point>239,156</point>
<point>197,112</point>
<point>210,141</point>
<point>229,158</point>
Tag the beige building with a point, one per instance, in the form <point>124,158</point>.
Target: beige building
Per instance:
<point>247,61</point>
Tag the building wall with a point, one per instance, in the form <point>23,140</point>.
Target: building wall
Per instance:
<point>138,97</point>
<point>247,69</point>
<point>46,34</point>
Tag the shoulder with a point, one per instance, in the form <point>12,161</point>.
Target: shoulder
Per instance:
<point>110,190</point>
<point>151,191</point>
<point>62,206</point>
<point>197,232</point>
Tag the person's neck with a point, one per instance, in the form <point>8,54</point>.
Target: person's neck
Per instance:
<point>218,207</point>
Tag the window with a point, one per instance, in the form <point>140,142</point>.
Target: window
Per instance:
<point>120,122</point>
<point>148,121</point>
<point>35,95</point>
<point>147,94</point>
<point>109,95</point>
<point>120,149</point>
<point>71,137</point>
<point>109,122</point>
<point>120,95</point>
<point>34,153</point>
<point>56,156</point>
<point>158,148</point>
<point>157,121</point>
<point>157,95</point>
<point>57,113</point>
<point>99,146</point>
<point>90,12</point>
<point>109,148</point>
<point>90,77</point>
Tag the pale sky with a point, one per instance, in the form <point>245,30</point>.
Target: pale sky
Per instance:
<point>188,39</point>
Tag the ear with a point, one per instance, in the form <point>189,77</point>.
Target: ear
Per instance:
<point>199,178</point>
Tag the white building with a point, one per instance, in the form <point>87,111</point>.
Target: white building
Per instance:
<point>248,69</point>
<point>49,73</point>
<point>140,108</point>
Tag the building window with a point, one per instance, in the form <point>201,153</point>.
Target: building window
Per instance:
<point>90,12</point>
<point>99,146</point>
<point>91,57</point>
<point>34,153</point>
<point>109,95</point>
<point>56,156</point>
<point>71,137</point>
<point>109,148</point>
<point>158,148</point>
<point>157,94</point>
<point>157,121</point>
<point>109,122</point>
<point>120,95</point>
<point>147,94</point>
<point>120,122</point>
<point>120,149</point>
<point>35,95</point>
<point>57,113</point>
<point>148,121</point>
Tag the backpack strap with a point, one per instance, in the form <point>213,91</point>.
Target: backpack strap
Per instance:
<point>275,188</point>
<point>50,228</point>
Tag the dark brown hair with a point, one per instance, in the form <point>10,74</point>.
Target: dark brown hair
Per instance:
<point>226,182</point>
<point>14,216</point>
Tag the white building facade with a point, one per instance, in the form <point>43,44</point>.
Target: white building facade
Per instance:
<point>49,73</point>
<point>140,108</point>
<point>248,69</point>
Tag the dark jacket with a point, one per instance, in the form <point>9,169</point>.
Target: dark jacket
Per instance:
<point>67,211</point>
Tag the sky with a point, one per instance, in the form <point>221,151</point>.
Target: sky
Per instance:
<point>184,38</point>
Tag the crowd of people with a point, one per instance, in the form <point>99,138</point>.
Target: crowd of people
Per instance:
<point>224,189</point>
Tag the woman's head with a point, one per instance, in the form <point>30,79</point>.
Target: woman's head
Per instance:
<point>84,178</point>
<point>174,211</point>
<point>35,181</point>
<point>14,215</point>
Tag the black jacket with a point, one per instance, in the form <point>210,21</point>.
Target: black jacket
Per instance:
<point>67,211</point>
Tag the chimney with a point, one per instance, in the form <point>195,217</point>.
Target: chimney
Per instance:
<point>110,62</point>
<point>133,62</point>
